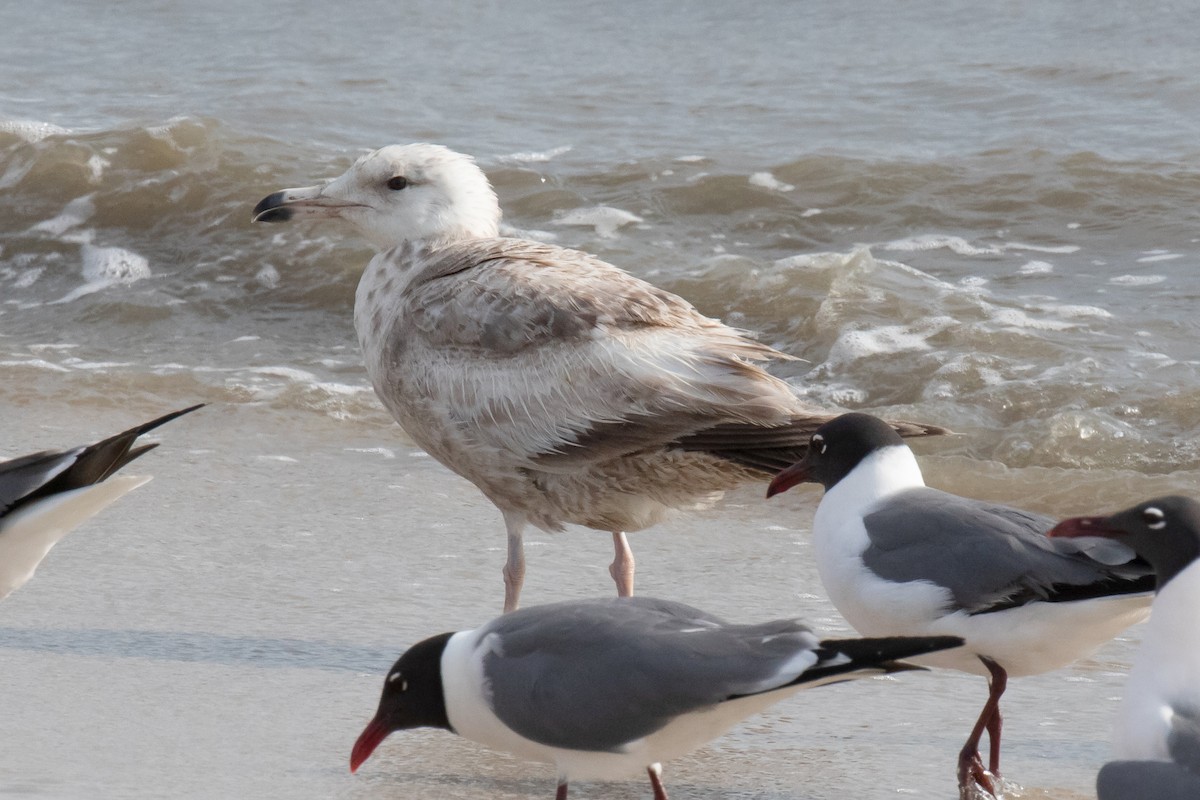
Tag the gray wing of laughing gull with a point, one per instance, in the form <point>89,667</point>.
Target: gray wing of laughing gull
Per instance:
<point>43,496</point>
<point>991,557</point>
<point>567,390</point>
<point>627,668</point>
<point>605,688</point>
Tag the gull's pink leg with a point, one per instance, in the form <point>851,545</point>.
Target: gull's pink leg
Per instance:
<point>970,765</point>
<point>655,771</point>
<point>993,729</point>
<point>621,568</point>
<point>514,567</point>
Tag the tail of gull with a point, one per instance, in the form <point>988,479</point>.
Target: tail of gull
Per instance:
<point>45,495</point>
<point>771,449</point>
<point>847,659</point>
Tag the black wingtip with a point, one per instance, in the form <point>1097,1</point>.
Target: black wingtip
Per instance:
<point>901,666</point>
<point>78,467</point>
<point>136,452</point>
<point>145,427</point>
<point>100,460</point>
<point>842,657</point>
<point>890,648</point>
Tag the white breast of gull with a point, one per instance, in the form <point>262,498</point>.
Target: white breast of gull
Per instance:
<point>566,389</point>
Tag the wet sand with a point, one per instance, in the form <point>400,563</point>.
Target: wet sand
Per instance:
<point>229,624</point>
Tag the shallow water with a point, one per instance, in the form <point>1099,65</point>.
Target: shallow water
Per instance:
<point>977,215</point>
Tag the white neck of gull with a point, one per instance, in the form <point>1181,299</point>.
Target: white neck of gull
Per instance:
<point>468,696</point>
<point>477,219</point>
<point>453,225</point>
<point>881,474</point>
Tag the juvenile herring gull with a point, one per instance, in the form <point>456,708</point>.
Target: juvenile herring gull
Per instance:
<point>566,389</point>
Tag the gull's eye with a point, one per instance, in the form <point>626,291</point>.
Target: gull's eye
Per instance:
<point>398,676</point>
<point>397,183</point>
<point>1154,518</point>
<point>818,442</point>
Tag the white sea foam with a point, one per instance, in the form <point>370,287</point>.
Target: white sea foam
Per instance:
<point>1036,268</point>
<point>938,241</point>
<point>290,373</point>
<point>36,363</point>
<point>1158,255</point>
<point>31,130</point>
<point>768,181</point>
<point>74,214</point>
<point>956,244</point>
<point>1074,311</point>
<point>886,340</point>
<point>1039,248</point>
<point>113,264</point>
<point>1016,318</point>
<point>39,347</point>
<point>1136,280</point>
<point>107,266</point>
<point>812,261</point>
<point>28,277</point>
<point>534,156</point>
<point>386,452</point>
<point>343,389</point>
<point>96,165</point>
<point>267,276</point>
<point>604,219</point>
<point>96,366</point>
<point>832,394</point>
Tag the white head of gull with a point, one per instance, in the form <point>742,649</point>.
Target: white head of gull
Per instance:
<point>901,559</point>
<point>1156,740</point>
<point>566,389</point>
<point>603,689</point>
<point>401,193</point>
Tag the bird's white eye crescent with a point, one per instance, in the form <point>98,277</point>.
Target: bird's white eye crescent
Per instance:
<point>818,441</point>
<point>398,676</point>
<point>1154,518</point>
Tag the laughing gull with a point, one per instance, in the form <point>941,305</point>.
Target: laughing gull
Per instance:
<point>1157,736</point>
<point>44,496</point>
<point>564,388</point>
<point>899,559</point>
<point>603,689</point>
